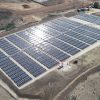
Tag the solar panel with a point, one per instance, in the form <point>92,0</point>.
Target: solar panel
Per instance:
<point>18,41</point>
<point>40,34</point>
<point>88,33</point>
<point>88,18</point>
<point>56,27</point>
<point>53,51</point>
<point>64,24</point>
<point>80,37</point>
<point>15,73</point>
<point>7,47</point>
<point>41,57</point>
<point>30,37</point>
<point>64,19</point>
<point>29,64</point>
<point>2,56</point>
<point>73,41</point>
<point>91,29</point>
<point>48,30</point>
<point>64,46</point>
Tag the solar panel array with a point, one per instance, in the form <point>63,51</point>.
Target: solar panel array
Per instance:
<point>28,54</point>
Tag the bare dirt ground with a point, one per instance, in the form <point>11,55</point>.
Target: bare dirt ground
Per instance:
<point>4,95</point>
<point>87,90</point>
<point>19,6</point>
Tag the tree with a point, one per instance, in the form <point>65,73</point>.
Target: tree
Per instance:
<point>96,5</point>
<point>73,97</point>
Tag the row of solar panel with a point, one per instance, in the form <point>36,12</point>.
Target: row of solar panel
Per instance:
<point>91,29</point>
<point>30,65</point>
<point>18,76</point>
<point>7,47</point>
<point>89,18</point>
<point>68,21</point>
<point>93,35</point>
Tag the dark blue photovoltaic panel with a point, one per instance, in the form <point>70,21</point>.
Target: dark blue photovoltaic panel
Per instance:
<point>56,27</point>
<point>63,46</point>
<point>59,55</point>
<point>64,19</point>
<point>7,47</point>
<point>84,18</point>
<point>73,41</point>
<point>88,33</point>
<point>48,30</point>
<point>2,55</point>
<point>91,29</point>
<point>40,34</point>
<point>64,24</point>
<point>81,37</point>
<point>41,57</point>
<point>30,37</point>
<point>18,41</point>
<point>89,18</point>
<point>29,64</point>
<point>18,76</point>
